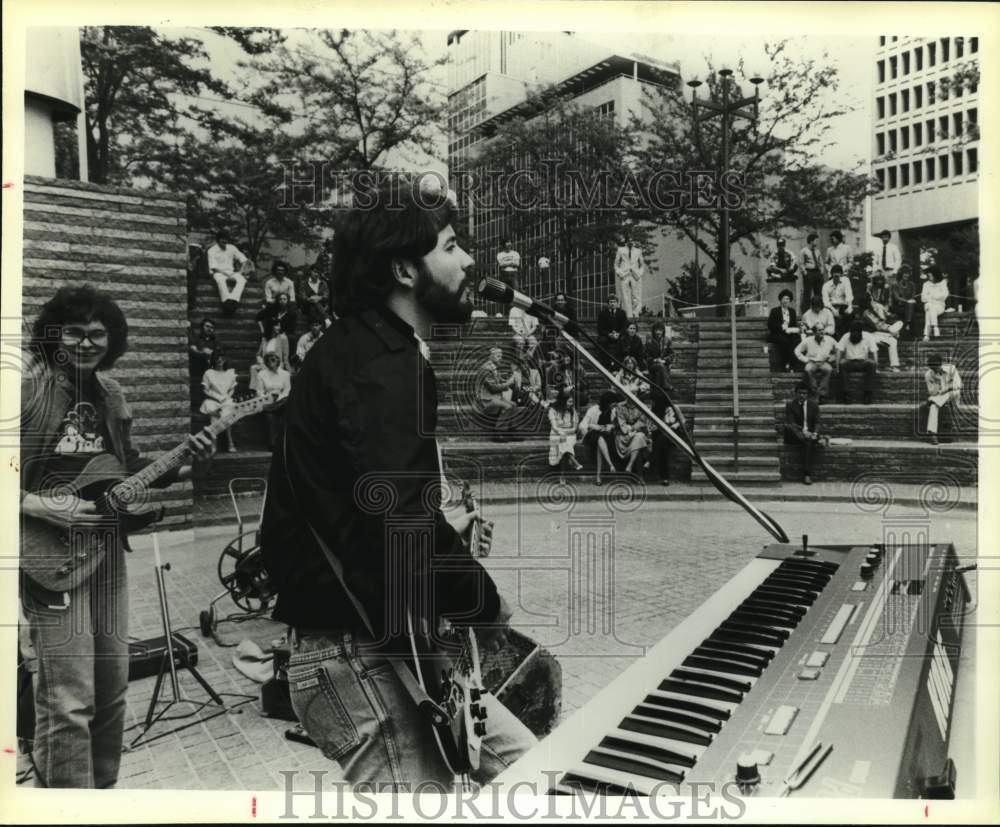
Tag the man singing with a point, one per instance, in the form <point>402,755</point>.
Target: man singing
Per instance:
<point>359,470</point>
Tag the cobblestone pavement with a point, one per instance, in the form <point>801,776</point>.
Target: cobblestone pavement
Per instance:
<point>594,584</point>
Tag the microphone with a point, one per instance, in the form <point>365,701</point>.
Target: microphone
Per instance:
<point>495,290</point>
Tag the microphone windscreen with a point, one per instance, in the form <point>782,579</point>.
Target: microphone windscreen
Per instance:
<point>495,290</point>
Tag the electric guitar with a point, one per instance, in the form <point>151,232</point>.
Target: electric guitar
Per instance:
<point>61,559</point>
<point>448,669</point>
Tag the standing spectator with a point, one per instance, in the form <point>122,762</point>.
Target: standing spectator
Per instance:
<point>315,297</point>
<point>839,255</point>
<point>629,270</point>
<point>783,331</point>
<point>524,326</point>
<point>219,385</point>
<point>611,324</point>
<point>944,388</point>
<point>274,341</point>
<point>783,265</point>
<point>281,313</point>
<point>812,270</point>
<point>817,315</point>
<point>659,355</point>
<point>631,344</point>
<point>817,355</point>
<point>933,295</point>
<point>857,352</point>
<point>903,297</point>
<point>838,296</point>
<point>279,283</point>
<point>493,392</point>
<point>274,379</point>
<point>509,262</point>
<point>307,340</point>
<point>802,427</point>
<point>563,424</point>
<point>883,328</point>
<point>225,265</point>
<point>886,255</point>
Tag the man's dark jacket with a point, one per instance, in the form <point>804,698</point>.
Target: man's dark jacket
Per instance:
<point>363,457</point>
<point>774,331</point>
<point>608,321</point>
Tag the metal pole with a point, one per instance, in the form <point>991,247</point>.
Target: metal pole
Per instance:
<point>724,271</point>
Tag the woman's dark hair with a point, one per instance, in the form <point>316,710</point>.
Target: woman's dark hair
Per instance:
<point>398,220</point>
<point>811,237</point>
<point>559,403</point>
<point>784,293</point>
<point>608,398</point>
<point>837,236</point>
<point>936,274</point>
<point>220,356</point>
<point>80,305</point>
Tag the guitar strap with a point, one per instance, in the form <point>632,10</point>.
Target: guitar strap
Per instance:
<point>434,713</point>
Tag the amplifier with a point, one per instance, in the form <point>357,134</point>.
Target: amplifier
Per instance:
<point>146,656</point>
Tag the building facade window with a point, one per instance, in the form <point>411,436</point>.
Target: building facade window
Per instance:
<point>930,92</point>
<point>942,130</point>
<point>893,142</point>
<point>880,143</point>
<point>904,175</point>
<point>880,107</point>
<point>906,63</point>
<point>956,122</point>
<point>892,104</point>
<point>944,49</point>
<point>881,71</point>
<point>942,167</point>
<point>918,172</point>
<point>959,47</point>
<point>918,134</point>
<point>956,162</point>
<point>918,58</point>
<point>929,169</point>
<point>931,54</point>
<point>918,97</point>
<point>972,159</point>
<point>974,45</point>
<point>904,137</point>
<point>892,178</point>
<point>893,67</point>
<point>881,40</point>
<point>880,177</point>
<point>905,96</point>
<point>930,131</point>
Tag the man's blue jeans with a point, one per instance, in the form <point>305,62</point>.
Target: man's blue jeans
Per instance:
<point>353,705</point>
<point>82,679</point>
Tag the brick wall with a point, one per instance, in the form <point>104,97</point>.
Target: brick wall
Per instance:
<point>132,244</point>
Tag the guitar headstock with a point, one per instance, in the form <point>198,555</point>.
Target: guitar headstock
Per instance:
<point>250,404</point>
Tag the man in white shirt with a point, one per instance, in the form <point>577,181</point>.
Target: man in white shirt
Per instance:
<point>886,257</point>
<point>817,355</point>
<point>630,267</point>
<point>524,326</point>
<point>838,296</point>
<point>225,263</point>
<point>279,283</point>
<point>812,270</point>
<point>817,316</point>
<point>857,352</point>
<point>307,340</point>
<point>838,254</point>
<point>509,262</point>
<point>944,388</point>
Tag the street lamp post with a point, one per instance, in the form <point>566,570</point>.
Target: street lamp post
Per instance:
<point>727,110</point>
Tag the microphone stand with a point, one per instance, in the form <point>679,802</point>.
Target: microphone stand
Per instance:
<point>564,326</point>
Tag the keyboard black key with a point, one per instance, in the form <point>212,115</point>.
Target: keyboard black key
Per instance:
<point>733,652</point>
<point>700,690</point>
<point>580,782</point>
<point>762,656</point>
<point>714,680</point>
<point>779,636</point>
<point>718,664</point>
<point>662,714</point>
<point>743,637</point>
<point>633,766</point>
<point>688,706</point>
<point>758,618</point>
<point>792,615</point>
<point>635,724</point>
<point>667,756</point>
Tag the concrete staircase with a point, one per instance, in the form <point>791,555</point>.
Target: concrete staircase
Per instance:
<point>714,435</point>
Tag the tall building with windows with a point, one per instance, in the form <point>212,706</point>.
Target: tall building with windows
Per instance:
<point>491,74</point>
<point>925,140</point>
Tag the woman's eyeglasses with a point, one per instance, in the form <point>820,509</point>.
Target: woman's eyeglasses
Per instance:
<point>76,336</point>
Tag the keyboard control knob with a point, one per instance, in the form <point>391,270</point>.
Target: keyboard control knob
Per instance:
<point>873,558</point>
<point>747,774</point>
<point>867,571</point>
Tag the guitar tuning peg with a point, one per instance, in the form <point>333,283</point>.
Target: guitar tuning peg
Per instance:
<point>479,728</point>
<point>483,713</point>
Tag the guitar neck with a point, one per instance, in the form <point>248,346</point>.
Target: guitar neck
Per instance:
<point>167,462</point>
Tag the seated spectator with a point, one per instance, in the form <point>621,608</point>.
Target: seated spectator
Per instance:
<point>273,342</point>
<point>817,357</point>
<point>630,344</point>
<point>596,428</point>
<point>494,392</point>
<point>315,297</point>
<point>550,332</point>
<point>274,379</point>
<point>659,357</point>
<point>279,283</point>
<point>783,265</point>
<point>306,341</point>
<point>563,424</point>
<point>562,304</point>
<point>802,427</point>
<point>219,384</point>
<point>817,315</point>
<point>566,375</point>
<point>202,347</point>
<point>524,326</point>
<point>933,295</point>
<point>631,378</point>
<point>611,325</point>
<point>281,313</point>
<point>630,440</point>
<point>883,327</point>
<point>225,265</point>
<point>663,446</point>
<point>838,296</point>
<point>783,332</point>
<point>857,352</point>
<point>944,389</point>
<point>903,297</point>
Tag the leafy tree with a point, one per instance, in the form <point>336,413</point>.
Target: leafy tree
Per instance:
<point>555,170</point>
<point>783,184</point>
